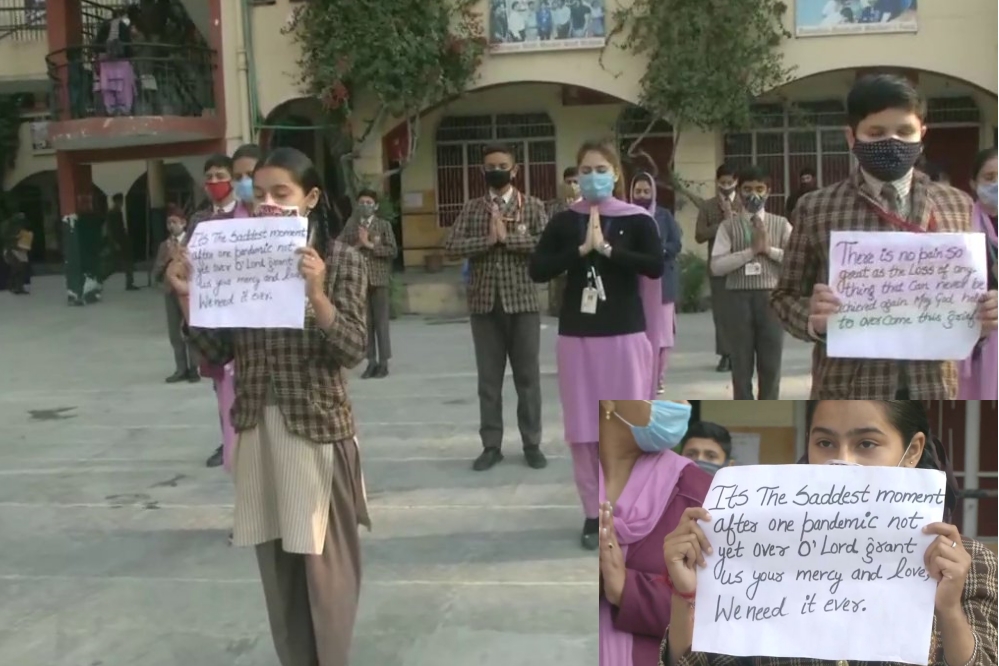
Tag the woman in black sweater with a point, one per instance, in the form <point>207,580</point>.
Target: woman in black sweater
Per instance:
<point>611,254</point>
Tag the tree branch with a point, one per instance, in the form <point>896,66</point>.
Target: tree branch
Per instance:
<point>635,151</point>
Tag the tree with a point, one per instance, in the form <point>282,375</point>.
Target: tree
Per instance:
<point>402,55</point>
<point>707,61</point>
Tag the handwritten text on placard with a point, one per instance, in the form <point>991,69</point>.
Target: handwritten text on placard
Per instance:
<point>905,295</point>
<point>246,273</point>
<point>806,555</point>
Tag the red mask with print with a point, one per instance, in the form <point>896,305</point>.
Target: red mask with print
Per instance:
<point>219,190</point>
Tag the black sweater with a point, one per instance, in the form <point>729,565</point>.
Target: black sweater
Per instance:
<point>636,250</point>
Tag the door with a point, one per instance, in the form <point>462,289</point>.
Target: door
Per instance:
<point>658,149</point>
<point>953,149</point>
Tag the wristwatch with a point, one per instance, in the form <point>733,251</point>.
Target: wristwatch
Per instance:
<point>605,249</point>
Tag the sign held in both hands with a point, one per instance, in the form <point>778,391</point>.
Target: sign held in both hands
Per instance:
<point>246,275</point>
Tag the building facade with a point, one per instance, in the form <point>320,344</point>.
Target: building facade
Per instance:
<point>546,96</point>
<point>544,93</point>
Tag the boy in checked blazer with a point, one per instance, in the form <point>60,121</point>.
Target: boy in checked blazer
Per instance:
<point>886,128</point>
<point>374,238</point>
<point>497,234</point>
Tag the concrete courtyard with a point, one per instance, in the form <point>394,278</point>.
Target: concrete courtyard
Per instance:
<point>113,533</point>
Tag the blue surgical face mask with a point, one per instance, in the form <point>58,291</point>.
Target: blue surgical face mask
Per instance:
<point>667,426</point>
<point>244,189</point>
<point>988,194</point>
<point>709,467</point>
<point>596,186</point>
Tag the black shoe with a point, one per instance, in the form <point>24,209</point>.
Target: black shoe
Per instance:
<point>215,459</point>
<point>590,538</point>
<point>662,388</point>
<point>487,459</point>
<point>369,371</point>
<point>534,458</point>
<point>131,287</point>
<point>724,364</point>
<point>20,292</point>
<point>381,371</point>
<point>178,376</point>
<point>193,376</point>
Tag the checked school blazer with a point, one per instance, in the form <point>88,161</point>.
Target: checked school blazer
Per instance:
<point>978,601</point>
<point>840,207</point>
<point>302,368</point>
<point>500,270</point>
<point>378,259</point>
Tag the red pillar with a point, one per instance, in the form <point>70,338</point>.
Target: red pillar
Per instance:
<point>64,25</point>
<point>75,185</point>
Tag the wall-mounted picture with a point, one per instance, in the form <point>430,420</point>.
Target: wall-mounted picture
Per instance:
<point>815,18</point>
<point>517,26</point>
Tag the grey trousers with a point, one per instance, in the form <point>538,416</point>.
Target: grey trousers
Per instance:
<point>718,292</point>
<point>755,340</point>
<point>312,599</point>
<point>499,336</point>
<point>379,346</point>
<point>185,356</point>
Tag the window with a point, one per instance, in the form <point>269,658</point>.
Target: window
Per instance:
<point>459,142</point>
<point>785,139</point>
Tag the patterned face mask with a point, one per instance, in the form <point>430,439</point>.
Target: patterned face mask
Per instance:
<point>887,159</point>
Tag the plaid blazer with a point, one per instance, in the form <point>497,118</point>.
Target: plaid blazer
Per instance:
<point>979,603</point>
<point>842,207</point>
<point>378,259</point>
<point>709,218</point>
<point>303,367</point>
<point>498,270</point>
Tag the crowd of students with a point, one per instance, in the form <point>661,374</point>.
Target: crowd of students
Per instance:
<point>610,258</point>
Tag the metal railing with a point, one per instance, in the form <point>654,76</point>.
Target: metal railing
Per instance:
<point>26,20</point>
<point>149,80</point>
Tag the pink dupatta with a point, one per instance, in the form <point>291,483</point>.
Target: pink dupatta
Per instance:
<point>639,509</point>
<point>651,289</point>
<point>977,377</point>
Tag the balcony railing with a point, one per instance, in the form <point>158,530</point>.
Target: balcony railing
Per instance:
<point>150,80</point>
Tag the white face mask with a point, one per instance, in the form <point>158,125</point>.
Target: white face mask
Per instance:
<point>853,464</point>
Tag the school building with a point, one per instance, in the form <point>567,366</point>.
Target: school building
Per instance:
<point>967,430</point>
<point>227,76</point>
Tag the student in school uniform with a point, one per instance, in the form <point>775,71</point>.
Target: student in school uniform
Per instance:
<point>374,238</point>
<point>497,234</point>
<point>710,216</point>
<point>886,128</point>
<point>185,355</point>
<point>748,252</point>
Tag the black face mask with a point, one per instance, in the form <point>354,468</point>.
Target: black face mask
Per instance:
<point>887,159</point>
<point>642,201</point>
<point>498,179</point>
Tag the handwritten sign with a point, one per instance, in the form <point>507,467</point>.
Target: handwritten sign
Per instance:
<point>245,273</point>
<point>905,295</point>
<point>819,562</point>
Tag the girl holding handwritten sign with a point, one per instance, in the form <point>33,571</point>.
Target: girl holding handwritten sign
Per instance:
<point>299,488</point>
<point>861,432</point>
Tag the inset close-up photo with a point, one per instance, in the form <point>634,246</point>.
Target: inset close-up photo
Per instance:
<point>762,536</point>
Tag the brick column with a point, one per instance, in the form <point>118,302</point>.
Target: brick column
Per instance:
<point>64,26</point>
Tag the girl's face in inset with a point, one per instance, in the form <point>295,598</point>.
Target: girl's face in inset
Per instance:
<point>859,432</point>
<point>276,188</point>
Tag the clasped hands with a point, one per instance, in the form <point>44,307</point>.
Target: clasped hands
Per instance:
<point>497,227</point>
<point>595,240</point>
<point>760,242</point>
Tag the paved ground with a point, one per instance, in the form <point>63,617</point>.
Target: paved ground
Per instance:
<point>112,533</point>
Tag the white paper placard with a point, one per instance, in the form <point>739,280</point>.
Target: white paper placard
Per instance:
<point>245,273</point>
<point>905,295</point>
<point>746,448</point>
<point>818,562</point>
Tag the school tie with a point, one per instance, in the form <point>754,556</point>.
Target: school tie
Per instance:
<point>893,202</point>
<point>498,202</point>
